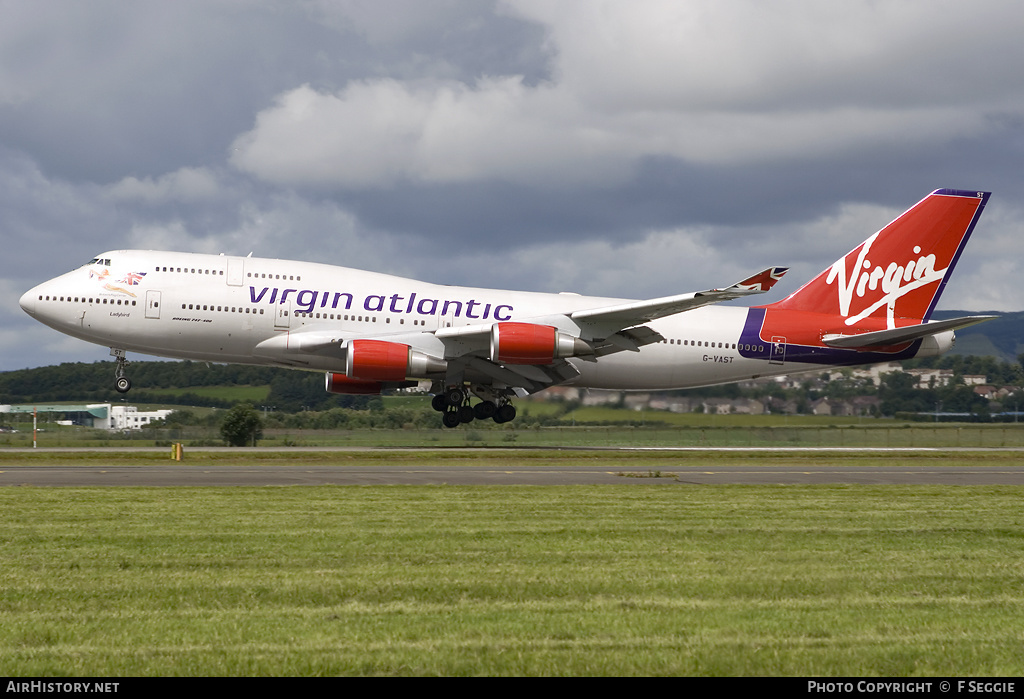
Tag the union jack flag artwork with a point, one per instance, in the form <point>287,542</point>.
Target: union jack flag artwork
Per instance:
<point>132,278</point>
<point>765,280</point>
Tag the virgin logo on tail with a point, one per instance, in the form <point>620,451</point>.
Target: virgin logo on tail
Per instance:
<point>899,272</point>
<point>894,282</point>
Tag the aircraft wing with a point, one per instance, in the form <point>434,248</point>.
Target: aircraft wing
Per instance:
<point>638,312</point>
<point>896,336</point>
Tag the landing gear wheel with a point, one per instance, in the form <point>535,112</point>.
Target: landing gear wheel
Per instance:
<point>485,410</point>
<point>506,413</point>
<point>439,402</point>
<point>465,414</point>
<point>455,395</point>
<point>123,384</point>
<point>451,419</point>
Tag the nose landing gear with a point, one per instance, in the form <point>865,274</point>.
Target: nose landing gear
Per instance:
<point>122,384</point>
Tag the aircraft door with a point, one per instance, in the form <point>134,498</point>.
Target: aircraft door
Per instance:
<point>283,315</point>
<point>153,304</point>
<point>778,350</point>
<point>235,271</point>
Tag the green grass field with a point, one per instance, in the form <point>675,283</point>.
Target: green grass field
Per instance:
<point>510,580</point>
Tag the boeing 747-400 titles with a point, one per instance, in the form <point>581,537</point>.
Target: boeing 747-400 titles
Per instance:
<point>370,332</point>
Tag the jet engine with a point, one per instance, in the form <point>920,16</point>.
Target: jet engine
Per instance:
<point>339,383</point>
<point>377,360</point>
<point>527,343</point>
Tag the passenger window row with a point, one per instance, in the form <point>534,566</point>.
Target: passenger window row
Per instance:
<point>335,316</point>
<point>191,270</point>
<point>700,343</point>
<point>223,309</point>
<point>220,273</point>
<point>351,317</point>
<point>719,345</point>
<point>83,299</point>
<point>285,277</point>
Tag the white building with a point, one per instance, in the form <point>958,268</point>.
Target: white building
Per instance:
<point>128,417</point>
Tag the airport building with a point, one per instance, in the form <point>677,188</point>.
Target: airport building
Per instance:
<point>102,416</point>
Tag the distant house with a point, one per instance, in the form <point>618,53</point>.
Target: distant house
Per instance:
<point>749,406</point>
<point>864,405</point>
<point>717,406</point>
<point>822,406</point>
<point>784,406</point>
<point>876,371</point>
<point>932,378</point>
<point>986,391</point>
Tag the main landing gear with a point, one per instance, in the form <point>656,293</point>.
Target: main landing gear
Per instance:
<point>122,384</point>
<point>454,403</point>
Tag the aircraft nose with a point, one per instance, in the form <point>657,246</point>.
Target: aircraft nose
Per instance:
<point>28,302</point>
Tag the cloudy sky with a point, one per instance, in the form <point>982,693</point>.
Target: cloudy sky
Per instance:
<point>630,149</point>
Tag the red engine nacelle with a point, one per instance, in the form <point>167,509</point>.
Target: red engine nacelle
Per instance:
<point>373,360</point>
<point>339,383</point>
<point>526,343</point>
<point>377,360</point>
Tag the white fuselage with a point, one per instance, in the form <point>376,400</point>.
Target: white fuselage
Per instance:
<point>220,308</point>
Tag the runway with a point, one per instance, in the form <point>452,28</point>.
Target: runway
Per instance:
<point>624,466</point>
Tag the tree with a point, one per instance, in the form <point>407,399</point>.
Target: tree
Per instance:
<point>899,394</point>
<point>242,426</point>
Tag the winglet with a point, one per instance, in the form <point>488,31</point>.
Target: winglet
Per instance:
<point>762,281</point>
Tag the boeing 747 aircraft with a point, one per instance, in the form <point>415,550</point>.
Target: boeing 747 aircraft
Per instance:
<point>369,332</point>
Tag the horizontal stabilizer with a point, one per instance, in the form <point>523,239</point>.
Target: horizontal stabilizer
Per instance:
<point>896,336</point>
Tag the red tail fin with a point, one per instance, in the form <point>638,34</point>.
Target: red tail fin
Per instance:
<point>899,272</point>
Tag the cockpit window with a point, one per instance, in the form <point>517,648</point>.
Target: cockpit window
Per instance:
<point>100,261</point>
